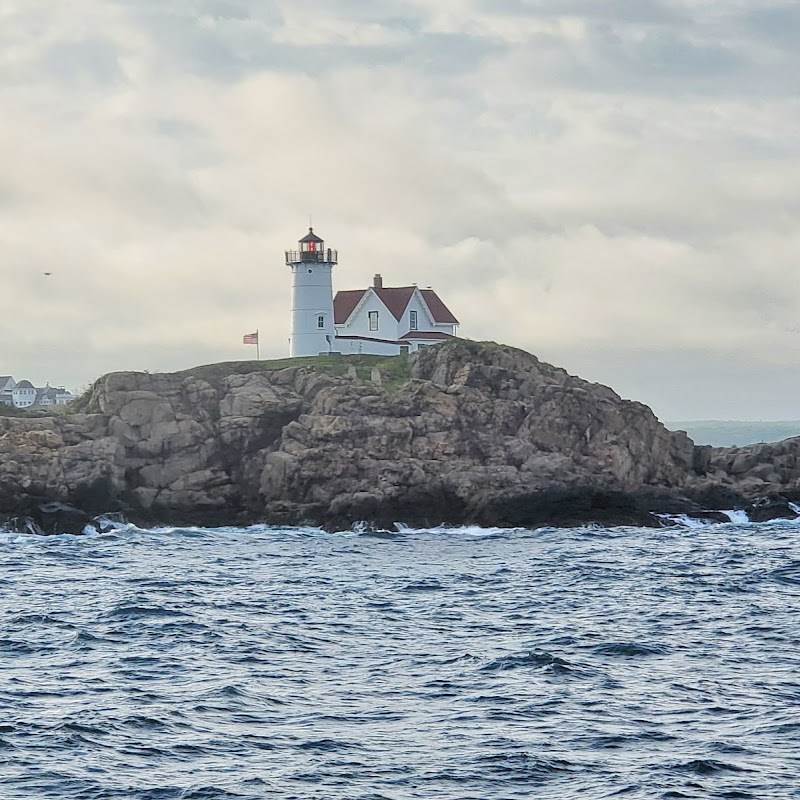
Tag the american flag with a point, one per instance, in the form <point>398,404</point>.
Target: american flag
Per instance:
<point>250,338</point>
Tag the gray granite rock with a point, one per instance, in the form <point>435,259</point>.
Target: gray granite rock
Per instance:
<point>477,433</point>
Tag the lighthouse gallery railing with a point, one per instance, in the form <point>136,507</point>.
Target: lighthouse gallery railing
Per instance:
<point>312,256</point>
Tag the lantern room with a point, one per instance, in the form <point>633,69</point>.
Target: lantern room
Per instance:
<point>311,249</point>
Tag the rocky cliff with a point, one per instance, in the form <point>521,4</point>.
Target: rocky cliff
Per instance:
<point>462,432</point>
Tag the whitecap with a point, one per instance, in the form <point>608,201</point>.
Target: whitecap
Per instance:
<point>684,520</point>
<point>738,517</point>
<point>471,531</point>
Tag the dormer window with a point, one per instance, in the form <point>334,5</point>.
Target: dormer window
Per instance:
<point>412,320</point>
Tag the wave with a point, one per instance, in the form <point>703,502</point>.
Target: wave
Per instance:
<point>706,519</point>
<point>134,611</point>
<point>789,574</point>
<point>629,649</point>
<point>708,766</point>
<point>116,528</point>
<point>537,659</point>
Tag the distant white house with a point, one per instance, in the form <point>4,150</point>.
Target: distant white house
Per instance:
<point>7,384</point>
<point>53,396</point>
<point>25,395</point>
<point>381,320</point>
<point>46,396</point>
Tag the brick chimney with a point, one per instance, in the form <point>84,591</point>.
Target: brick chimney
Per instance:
<point>377,281</point>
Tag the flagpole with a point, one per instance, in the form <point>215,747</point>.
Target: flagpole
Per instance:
<point>258,347</point>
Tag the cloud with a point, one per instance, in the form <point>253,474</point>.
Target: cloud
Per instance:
<point>608,185</point>
<point>777,24</point>
<point>654,12</point>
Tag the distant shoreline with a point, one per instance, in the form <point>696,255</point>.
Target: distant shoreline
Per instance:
<point>735,433</point>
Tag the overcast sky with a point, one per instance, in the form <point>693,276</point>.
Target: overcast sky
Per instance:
<point>613,185</point>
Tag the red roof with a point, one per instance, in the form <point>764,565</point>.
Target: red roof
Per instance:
<point>441,313</point>
<point>426,335</point>
<point>344,304</point>
<point>367,339</point>
<point>409,337</point>
<point>395,299</point>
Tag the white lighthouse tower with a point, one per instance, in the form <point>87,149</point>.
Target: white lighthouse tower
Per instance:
<point>312,296</point>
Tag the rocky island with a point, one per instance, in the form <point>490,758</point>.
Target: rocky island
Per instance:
<point>460,433</point>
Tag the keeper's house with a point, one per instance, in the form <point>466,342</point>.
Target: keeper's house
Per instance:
<point>390,319</point>
<point>380,320</point>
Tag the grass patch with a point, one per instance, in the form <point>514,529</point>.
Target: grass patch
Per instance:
<point>473,346</point>
<point>28,413</point>
<point>394,369</point>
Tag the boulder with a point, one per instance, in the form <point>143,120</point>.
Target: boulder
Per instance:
<point>57,518</point>
<point>708,516</point>
<point>764,509</point>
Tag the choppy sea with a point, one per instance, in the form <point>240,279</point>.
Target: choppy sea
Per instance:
<point>448,664</point>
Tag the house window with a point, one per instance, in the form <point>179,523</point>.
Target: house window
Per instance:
<point>320,321</point>
<point>373,320</point>
<point>412,320</point>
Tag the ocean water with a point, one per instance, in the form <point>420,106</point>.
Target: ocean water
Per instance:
<point>469,663</point>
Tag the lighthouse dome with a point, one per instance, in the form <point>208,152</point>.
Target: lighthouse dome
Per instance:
<point>311,237</point>
<point>311,248</point>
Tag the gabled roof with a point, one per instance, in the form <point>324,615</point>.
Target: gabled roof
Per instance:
<point>396,299</point>
<point>441,313</point>
<point>345,303</point>
<point>4,379</point>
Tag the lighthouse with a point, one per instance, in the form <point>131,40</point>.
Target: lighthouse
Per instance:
<point>312,265</point>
